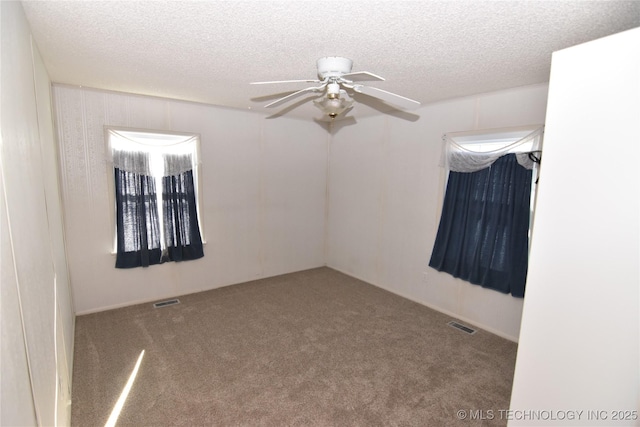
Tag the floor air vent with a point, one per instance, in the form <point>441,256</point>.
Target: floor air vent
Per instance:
<point>463,328</point>
<point>166,303</point>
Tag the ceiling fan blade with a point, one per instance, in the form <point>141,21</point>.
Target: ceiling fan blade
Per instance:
<point>362,76</point>
<point>293,95</point>
<point>285,81</point>
<point>389,97</point>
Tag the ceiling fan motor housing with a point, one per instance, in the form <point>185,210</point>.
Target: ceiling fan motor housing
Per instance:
<point>333,66</point>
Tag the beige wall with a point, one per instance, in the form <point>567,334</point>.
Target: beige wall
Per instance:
<point>263,196</point>
<point>385,194</point>
<point>37,316</point>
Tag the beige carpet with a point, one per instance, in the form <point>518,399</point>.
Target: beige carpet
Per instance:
<point>314,348</point>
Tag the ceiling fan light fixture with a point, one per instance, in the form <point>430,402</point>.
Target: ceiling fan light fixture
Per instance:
<point>333,91</point>
<point>333,106</point>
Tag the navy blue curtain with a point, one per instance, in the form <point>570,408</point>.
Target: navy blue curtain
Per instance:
<point>483,232</point>
<point>138,229</point>
<point>181,231</point>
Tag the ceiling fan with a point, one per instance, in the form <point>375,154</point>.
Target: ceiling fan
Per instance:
<point>335,79</point>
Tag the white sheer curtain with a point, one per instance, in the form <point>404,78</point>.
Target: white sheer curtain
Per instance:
<point>176,164</point>
<point>463,158</point>
<point>131,161</point>
<point>152,154</point>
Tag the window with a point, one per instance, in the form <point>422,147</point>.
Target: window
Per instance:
<point>155,196</point>
<point>473,150</point>
<point>483,236</point>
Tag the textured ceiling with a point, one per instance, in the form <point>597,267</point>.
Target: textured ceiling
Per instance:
<point>209,51</point>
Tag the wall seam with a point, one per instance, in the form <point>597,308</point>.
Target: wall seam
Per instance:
<point>327,195</point>
<point>52,255</point>
<point>15,270</point>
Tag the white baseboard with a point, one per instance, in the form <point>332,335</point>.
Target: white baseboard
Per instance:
<point>165,297</point>
<point>434,307</point>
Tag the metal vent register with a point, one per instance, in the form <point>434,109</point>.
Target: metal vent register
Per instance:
<point>166,303</point>
<point>462,327</point>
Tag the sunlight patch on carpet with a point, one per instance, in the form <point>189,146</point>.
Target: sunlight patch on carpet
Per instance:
<point>115,413</point>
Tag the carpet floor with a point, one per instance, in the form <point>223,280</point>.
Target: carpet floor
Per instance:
<point>313,348</point>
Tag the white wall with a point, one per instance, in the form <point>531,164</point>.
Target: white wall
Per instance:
<point>386,190</point>
<point>579,347</point>
<point>263,196</point>
<point>37,317</point>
